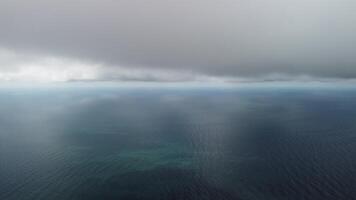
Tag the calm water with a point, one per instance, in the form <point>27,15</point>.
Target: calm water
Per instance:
<point>173,143</point>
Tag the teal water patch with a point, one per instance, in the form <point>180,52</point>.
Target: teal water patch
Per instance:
<point>155,158</point>
<point>134,160</point>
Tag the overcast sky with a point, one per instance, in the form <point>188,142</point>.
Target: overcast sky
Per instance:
<point>177,40</point>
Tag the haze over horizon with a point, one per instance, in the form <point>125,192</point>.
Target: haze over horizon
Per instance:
<point>177,40</point>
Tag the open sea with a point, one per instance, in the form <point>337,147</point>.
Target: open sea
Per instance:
<point>177,143</point>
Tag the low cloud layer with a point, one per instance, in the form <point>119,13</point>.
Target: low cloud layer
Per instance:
<point>176,40</point>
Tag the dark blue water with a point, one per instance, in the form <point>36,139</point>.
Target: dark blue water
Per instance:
<point>173,143</point>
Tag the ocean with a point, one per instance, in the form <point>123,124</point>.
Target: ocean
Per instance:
<point>177,143</point>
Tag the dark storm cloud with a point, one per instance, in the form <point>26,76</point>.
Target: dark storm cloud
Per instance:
<point>242,38</point>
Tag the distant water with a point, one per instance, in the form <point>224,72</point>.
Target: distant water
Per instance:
<point>110,143</point>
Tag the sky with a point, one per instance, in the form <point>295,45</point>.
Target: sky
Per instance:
<point>177,40</point>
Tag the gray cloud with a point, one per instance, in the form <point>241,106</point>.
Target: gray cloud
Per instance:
<point>226,38</point>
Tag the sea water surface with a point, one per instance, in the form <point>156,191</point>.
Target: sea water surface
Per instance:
<point>151,143</point>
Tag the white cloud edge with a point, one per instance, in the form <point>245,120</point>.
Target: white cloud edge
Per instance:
<point>15,67</point>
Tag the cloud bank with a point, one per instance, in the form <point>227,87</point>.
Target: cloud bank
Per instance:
<point>176,40</point>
